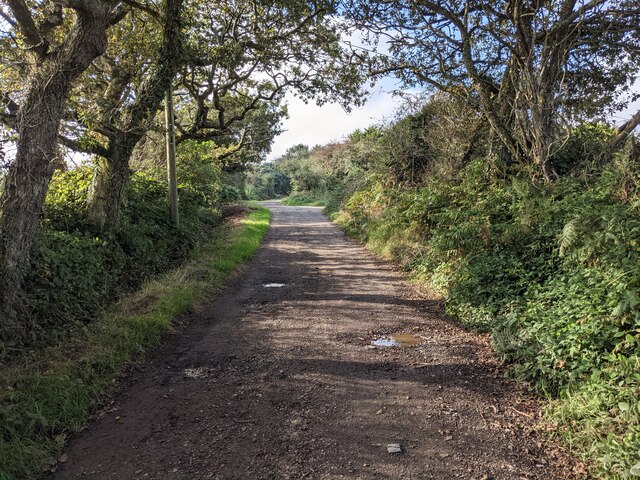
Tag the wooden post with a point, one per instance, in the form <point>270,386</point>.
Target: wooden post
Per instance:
<point>171,157</point>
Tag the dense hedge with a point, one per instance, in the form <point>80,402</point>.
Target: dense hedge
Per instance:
<point>52,395</point>
<point>553,271</point>
<point>76,270</point>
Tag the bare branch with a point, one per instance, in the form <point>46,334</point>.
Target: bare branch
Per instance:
<point>76,146</point>
<point>8,19</point>
<point>237,147</point>
<point>145,8</point>
<point>8,119</point>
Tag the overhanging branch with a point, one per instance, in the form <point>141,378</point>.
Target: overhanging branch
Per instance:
<point>27,25</point>
<point>77,147</point>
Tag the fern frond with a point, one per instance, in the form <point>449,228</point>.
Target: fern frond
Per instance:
<point>568,236</point>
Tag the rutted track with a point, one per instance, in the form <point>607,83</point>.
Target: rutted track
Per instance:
<point>281,383</point>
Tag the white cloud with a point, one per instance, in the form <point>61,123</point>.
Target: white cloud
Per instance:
<point>312,125</point>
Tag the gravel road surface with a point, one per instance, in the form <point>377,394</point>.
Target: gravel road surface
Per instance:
<point>276,378</point>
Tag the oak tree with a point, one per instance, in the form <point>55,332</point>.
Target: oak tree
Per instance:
<point>529,66</point>
<point>53,43</point>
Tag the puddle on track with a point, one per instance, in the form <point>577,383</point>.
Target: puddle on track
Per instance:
<point>273,285</point>
<point>398,340</point>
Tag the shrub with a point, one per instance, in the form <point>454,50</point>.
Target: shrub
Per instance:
<point>583,150</point>
<point>229,194</point>
<point>552,271</point>
<point>76,272</point>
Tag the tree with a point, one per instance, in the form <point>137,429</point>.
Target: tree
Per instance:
<point>244,143</point>
<point>115,104</point>
<point>237,58</point>
<point>261,50</point>
<point>268,181</point>
<point>53,50</point>
<point>528,66</point>
<point>299,165</point>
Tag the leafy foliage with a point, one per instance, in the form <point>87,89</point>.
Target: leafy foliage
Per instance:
<point>552,273</point>
<point>551,270</point>
<point>44,400</point>
<point>76,271</point>
<point>268,181</point>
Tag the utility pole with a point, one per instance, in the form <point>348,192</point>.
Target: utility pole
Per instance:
<point>171,156</point>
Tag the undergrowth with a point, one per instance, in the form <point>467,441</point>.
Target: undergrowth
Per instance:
<point>552,271</point>
<point>51,393</point>
<point>300,199</point>
<point>78,268</point>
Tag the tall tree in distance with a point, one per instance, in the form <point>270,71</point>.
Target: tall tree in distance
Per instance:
<point>55,42</point>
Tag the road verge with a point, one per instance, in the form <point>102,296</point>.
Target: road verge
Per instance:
<point>52,393</point>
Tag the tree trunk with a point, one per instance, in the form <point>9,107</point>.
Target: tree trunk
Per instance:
<point>37,126</point>
<point>622,133</point>
<point>112,176</point>
<point>540,157</point>
<point>110,182</point>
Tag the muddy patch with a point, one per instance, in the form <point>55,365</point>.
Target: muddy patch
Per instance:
<point>398,340</point>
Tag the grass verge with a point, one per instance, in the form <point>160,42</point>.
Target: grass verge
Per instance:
<point>298,200</point>
<point>52,394</point>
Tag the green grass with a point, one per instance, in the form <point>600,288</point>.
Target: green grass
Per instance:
<point>298,200</point>
<point>52,394</point>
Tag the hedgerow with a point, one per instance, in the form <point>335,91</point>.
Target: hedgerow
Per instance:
<point>76,270</point>
<point>551,270</point>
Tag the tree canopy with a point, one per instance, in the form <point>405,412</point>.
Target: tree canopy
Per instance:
<point>105,67</point>
<point>529,67</point>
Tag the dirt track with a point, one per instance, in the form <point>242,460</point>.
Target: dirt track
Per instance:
<point>282,383</point>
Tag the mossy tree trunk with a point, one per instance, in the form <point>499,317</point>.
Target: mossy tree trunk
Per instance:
<point>112,173</point>
<point>52,74</point>
<point>110,182</point>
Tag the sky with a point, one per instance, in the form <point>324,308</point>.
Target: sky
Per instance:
<point>313,125</point>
